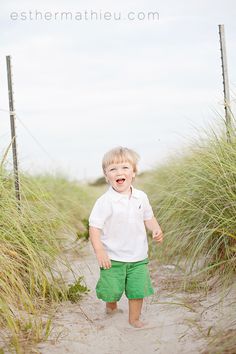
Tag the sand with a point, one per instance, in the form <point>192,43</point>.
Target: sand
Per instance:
<point>179,322</point>
<point>85,328</point>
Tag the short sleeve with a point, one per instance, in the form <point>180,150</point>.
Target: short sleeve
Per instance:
<point>148,212</point>
<point>100,213</point>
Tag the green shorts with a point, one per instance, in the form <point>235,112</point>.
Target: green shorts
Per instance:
<point>131,277</point>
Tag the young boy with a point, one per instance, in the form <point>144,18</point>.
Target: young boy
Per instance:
<point>118,235</point>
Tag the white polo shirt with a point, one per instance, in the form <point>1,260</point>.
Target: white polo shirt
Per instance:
<point>121,220</point>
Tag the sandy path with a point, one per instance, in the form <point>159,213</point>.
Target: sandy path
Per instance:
<point>84,327</point>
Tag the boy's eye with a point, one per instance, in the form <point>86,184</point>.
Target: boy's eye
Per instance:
<point>112,169</point>
<point>125,167</point>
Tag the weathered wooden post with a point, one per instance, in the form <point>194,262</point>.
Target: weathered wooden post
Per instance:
<point>228,112</point>
<point>13,130</point>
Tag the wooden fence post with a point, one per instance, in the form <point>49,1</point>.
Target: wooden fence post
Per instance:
<point>228,112</point>
<point>13,130</point>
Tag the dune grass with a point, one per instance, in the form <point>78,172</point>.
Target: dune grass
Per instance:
<point>31,240</point>
<point>221,343</point>
<point>194,198</point>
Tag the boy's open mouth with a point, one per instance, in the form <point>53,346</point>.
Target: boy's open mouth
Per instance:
<point>120,180</point>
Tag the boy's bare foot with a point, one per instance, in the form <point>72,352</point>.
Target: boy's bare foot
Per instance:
<point>137,324</point>
<point>113,311</point>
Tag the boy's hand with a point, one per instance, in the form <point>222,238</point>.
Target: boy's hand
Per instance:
<point>103,259</point>
<point>157,235</point>
<point>153,226</point>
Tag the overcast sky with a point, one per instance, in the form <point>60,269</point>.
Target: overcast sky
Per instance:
<point>96,79</point>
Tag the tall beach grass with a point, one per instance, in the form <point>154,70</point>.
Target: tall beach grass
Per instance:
<point>194,198</point>
<point>31,240</point>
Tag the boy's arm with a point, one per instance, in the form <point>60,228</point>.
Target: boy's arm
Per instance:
<point>153,226</point>
<point>102,256</point>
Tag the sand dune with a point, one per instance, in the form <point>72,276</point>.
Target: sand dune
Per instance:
<point>174,318</point>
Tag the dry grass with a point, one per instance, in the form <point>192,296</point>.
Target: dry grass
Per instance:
<point>223,342</point>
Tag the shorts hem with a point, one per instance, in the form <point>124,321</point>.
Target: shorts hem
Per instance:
<point>138,296</point>
<point>108,299</point>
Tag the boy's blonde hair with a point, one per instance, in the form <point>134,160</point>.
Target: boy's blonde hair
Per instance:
<point>119,155</point>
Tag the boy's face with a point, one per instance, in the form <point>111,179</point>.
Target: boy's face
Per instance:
<point>120,176</point>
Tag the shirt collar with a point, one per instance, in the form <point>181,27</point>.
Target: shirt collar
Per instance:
<point>117,196</point>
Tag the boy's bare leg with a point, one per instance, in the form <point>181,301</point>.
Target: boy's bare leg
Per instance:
<point>135,307</point>
<point>111,306</point>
